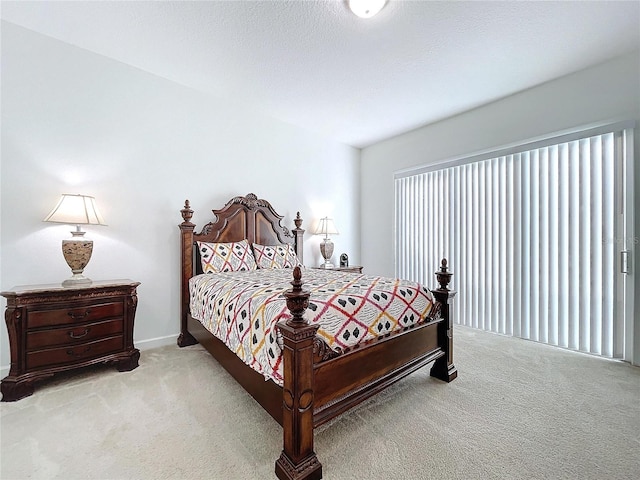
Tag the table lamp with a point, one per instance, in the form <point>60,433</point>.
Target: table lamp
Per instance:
<point>326,227</point>
<point>76,210</point>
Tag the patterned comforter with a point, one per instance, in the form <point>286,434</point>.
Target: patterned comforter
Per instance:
<point>243,308</point>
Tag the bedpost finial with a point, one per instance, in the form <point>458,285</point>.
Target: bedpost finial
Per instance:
<point>186,212</point>
<point>297,299</point>
<point>443,276</point>
<point>298,220</point>
<point>297,279</point>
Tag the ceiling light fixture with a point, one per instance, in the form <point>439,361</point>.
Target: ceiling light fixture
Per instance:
<point>366,8</point>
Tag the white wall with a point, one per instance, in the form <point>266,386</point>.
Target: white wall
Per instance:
<point>77,122</point>
<point>605,92</point>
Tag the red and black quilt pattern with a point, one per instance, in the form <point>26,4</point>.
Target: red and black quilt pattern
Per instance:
<point>243,308</point>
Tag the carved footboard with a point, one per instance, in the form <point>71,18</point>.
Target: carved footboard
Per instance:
<point>319,384</point>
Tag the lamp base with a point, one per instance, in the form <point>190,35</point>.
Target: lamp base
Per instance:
<point>77,253</point>
<point>77,280</point>
<point>326,249</point>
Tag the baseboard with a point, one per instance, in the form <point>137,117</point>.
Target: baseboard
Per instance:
<point>141,345</point>
<point>156,342</point>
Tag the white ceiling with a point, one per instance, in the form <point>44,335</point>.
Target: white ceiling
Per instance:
<point>316,65</point>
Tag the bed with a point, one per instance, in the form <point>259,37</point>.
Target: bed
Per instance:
<point>312,377</point>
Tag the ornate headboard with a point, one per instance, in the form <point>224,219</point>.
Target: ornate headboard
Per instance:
<point>246,217</point>
<point>241,217</point>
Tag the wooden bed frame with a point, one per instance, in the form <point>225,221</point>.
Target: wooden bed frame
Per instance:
<point>319,384</point>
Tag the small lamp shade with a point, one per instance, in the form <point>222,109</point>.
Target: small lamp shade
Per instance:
<point>76,210</point>
<point>326,227</point>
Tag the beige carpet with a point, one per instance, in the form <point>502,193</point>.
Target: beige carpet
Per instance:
<point>518,410</point>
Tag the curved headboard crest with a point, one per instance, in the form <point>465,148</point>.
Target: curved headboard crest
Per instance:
<point>250,201</point>
<point>248,218</point>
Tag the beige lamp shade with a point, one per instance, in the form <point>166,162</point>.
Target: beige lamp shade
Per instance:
<point>76,210</point>
<point>326,227</point>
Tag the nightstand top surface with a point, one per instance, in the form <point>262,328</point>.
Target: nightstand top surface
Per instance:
<point>57,287</point>
<point>335,268</point>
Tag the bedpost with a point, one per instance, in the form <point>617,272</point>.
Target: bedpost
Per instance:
<point>443,368</point>
<point>298,234</point>
<point>186,258</point>
<point>297,461</point>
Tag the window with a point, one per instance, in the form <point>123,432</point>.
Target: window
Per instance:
<point>533,236</point>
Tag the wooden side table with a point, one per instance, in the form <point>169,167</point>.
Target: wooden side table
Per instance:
<point>53,329</point>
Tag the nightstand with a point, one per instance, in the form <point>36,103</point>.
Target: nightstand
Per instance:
<point>53,329</point>
<point>352,269</point>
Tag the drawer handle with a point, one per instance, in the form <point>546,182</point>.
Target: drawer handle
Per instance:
<point>77,316</point>
<point>74,354</point>
<point>83,334</point>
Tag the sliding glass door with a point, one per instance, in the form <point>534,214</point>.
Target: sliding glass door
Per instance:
<point>535,238</point>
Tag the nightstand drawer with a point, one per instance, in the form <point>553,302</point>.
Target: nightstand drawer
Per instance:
<point>73,334</point>
<point>101,311</point>
<point>72,354</point>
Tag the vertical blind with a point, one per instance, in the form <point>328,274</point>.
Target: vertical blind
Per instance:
<point>529,237</point>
